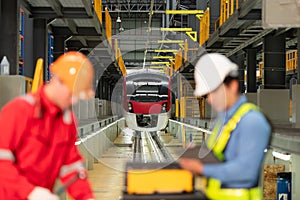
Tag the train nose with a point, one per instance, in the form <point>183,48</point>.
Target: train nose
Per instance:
<point>155,109</point>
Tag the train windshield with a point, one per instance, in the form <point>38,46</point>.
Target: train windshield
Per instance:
<point>147,92</point>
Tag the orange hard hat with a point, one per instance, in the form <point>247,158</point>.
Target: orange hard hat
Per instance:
<point>76,71</point>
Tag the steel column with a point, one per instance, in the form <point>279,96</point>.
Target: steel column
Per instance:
<point>9,34</point>
<point>251,70</point>
<point>28,46</point>
<point>239,60</point>
<point>274,61</point>
<point>59,46</point>
<point>40,41</point>
<point>214,7</point>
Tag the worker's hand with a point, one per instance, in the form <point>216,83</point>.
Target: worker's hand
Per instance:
<point>193,165</point>
<point>40,193</point>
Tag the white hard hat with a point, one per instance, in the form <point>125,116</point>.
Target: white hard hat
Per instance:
<point>210,72</point>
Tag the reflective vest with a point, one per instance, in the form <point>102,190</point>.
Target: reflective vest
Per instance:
<point>217,143</point>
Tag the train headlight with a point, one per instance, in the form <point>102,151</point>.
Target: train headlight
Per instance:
<point>164,107</point>
<point>130,109</point>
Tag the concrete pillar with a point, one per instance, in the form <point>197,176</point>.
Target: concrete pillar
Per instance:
<point>96,102</point>
<point>295,176</point>
<point>274,61</point>
<point>83,109</point>
<point>91,109</point>
<point>251,70</point>
<point>59,46</point>
<point>275,104</point>
<point>9,34</point>
<point>40,42</point>
<point>11,87</point>
<point>296,105</point>
<point>252,97</point>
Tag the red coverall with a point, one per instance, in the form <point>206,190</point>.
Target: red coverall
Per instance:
<point>37,145</point>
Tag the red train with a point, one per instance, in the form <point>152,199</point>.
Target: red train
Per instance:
<point>147,100</point>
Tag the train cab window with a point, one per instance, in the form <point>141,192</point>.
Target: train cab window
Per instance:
<point>146,92</point>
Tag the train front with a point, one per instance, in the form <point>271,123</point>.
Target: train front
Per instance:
<point>147,100</point>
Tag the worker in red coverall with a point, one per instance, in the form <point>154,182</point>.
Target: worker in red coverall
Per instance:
<point>38,135</point>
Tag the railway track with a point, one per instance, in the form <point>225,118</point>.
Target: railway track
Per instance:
<point>147,147</point>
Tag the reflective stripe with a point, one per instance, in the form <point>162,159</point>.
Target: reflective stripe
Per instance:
<point>66,169</point>
<point>7,155</point>
<point>218,144</point>
<point>67,117</point>
<point>29,98</point>
<point>216,193</point>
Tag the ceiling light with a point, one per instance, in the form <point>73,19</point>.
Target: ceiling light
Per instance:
<point>119,19</point>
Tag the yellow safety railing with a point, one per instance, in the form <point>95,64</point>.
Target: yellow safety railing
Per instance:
<point>202,107</point>
<point>178,60</point>
<point>121,63</point>
<point>38,78</point>
<point>291,60</point>
<point>28,84</point>
<point>217,24</point>
<point>227,8</point>
<point>171,68</point>
<point>119,58</point>
<point>190,107</point>
<point>185,51</point>
<point>108,26</point>
<point>204,26</point>
<point>98,9</point>
<point>116,48</point>
<point>182,108</point>
<point>177,108</point>
<point>260,69</point>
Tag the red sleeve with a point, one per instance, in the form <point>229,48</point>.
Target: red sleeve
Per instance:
<point>13,122</point>
<point>81,188</point>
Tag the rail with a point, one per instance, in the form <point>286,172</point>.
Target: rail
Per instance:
<point>86,134</point>
<point>187,133</point>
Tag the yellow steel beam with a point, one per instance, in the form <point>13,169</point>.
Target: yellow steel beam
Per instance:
<point>176,29</point>
<point>162,57</point>
<point>199,16</point>
<point>184,12</point>
<point>165,50</point>
<point>192,35</point>
<point>169,41</point>
<point>158,63</point>
<point>157,67</point>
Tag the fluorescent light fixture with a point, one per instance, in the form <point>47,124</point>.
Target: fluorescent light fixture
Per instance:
<point>119,19</point>
<point>281,156</point>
